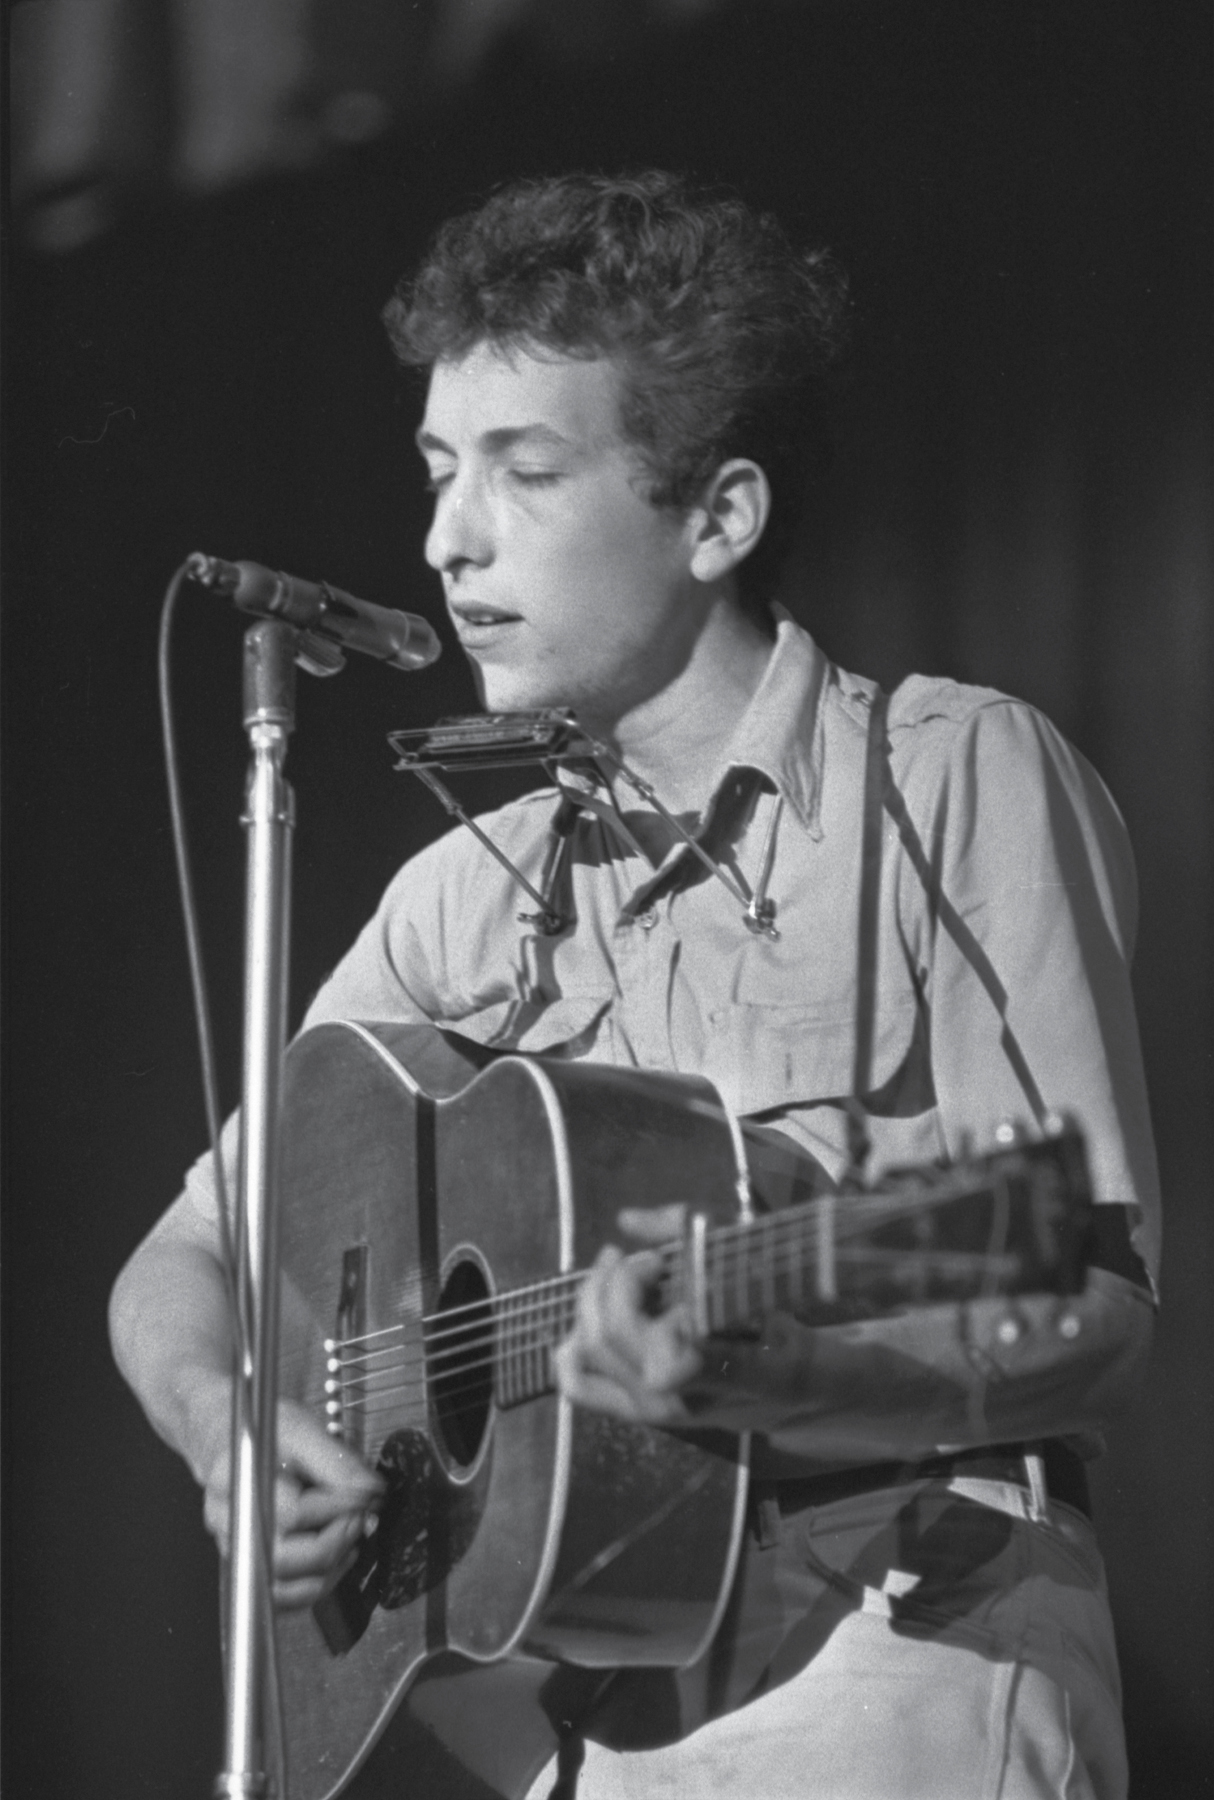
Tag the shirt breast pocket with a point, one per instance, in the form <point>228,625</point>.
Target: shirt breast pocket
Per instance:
<point>771,1053</point>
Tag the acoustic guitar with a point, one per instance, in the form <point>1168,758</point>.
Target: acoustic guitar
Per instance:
<point>437,1205</point>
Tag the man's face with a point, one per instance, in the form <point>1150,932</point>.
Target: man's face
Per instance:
<point>566,586</point>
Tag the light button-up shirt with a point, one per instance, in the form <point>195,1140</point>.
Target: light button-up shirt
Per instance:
<point>1005,926</point>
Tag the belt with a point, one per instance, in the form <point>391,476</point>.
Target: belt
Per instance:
<point>1065,1476</point>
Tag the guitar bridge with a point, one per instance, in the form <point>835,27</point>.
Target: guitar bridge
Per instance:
<point>345,1383</point>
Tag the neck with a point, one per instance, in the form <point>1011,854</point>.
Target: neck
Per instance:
<point>674,739</point>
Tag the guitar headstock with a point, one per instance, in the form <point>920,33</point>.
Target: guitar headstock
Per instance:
<point>1015,1219</point>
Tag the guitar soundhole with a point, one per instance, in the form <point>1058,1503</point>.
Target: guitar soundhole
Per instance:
<point>460,1359</point>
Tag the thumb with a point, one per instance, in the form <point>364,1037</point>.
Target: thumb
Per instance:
<point>652,1224</point>
<point>305,1448</point>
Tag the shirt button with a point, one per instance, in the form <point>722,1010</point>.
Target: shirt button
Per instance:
<point>648,919</point>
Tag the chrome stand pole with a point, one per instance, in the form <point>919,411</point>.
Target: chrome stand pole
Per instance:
<point>269,717</point>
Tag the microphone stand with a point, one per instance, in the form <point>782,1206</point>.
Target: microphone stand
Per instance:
<point>270,650</point>
<point>309,625</point>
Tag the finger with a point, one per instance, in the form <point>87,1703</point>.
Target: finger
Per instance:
<point>621,1399</point>
<point>652,1224</point>
<point>216,1514</point>
<point>317,1507</point>
<point>608,1307</point>
<point>625,1299</point>
<point>287,1492</point>
<point>660,1358</point>
<point>616,1339</point>
<point>305,1448</point>
<point>668,1355</point>
<point>316,1552</point>
<point>291,1595</point>
<point>592,1300</point>
<point>299,1508</point>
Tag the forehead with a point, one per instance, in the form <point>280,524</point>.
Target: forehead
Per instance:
<point>493,391</point>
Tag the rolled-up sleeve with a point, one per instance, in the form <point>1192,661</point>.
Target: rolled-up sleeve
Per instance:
<point>385,974</point>
<point>1020,881</point>
<point>390,971</point>
<point>1016,903</point>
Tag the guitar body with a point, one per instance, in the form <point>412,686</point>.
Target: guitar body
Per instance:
<point>518,1534</point>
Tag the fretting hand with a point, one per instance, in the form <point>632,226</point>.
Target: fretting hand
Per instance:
<point>619,1358</point>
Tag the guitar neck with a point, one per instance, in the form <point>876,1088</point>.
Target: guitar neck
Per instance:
<point>1014,1222</point>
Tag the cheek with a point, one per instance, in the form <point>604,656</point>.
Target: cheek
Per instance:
<point>594,577</point>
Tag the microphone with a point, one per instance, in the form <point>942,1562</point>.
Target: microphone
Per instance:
<point>398,638</point>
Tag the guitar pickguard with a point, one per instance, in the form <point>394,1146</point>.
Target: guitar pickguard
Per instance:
<point>426,1524</point>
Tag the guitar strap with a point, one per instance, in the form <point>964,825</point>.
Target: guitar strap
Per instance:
<point>1110,1245</point>
<point>871,830</point>
<point>570,1755</point>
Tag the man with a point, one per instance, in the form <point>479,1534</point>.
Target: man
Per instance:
<point>622,383</point>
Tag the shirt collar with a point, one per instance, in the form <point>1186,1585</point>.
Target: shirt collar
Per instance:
<point>781,733</point>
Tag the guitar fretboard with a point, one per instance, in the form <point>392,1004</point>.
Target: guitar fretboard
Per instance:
<point>948,1236</point>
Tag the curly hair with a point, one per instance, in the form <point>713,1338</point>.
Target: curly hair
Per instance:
<point>724,332</point>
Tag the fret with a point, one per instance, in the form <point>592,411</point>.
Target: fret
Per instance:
<point>509,1361</point>
<point>741,1281</point>
<point>891,1248</point>
<point>718,1310</point>
<point>499,1370</point>
<point>523,1339</point>
<point>535,1348</point>
<point>767,1268</point>
<point>695,1250</point>
<point>825,1272</point>
<point>541,1331</point>
<point>530,1325</point>
<point>517,1345</point>
<point>518,1336</point>
<point>799,1249</point>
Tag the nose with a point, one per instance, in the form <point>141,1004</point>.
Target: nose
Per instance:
<point>461,530</point>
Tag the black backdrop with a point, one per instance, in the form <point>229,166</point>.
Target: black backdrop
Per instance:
<point>1020,496</point>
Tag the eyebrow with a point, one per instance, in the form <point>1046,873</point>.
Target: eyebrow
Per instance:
<point>503,438</point>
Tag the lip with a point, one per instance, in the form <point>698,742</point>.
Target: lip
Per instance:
<point>478,623</point>
<point>482,637</point>
<point>482,612</point>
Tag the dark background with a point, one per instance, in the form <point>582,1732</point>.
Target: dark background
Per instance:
<point>1020,496</point>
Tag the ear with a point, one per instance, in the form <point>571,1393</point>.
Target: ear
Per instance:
<point>729,518</point>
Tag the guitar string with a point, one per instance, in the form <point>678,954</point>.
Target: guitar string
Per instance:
<point>523,1382</point>
<point>789,1219</point>
<point>747,1243</point>
<point>420,1376</point>
<point>516,1321</point>
<point>510,1326</point>
<point>464,1374</point>
<point>520,1307</point>
<point>528,1313</point>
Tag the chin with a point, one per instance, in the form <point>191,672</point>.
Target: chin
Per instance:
<point>509,690</point>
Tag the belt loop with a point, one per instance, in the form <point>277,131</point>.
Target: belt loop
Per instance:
<point>570,1755</point>
<point>765,1519</point>
<point>1039,1497</point>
